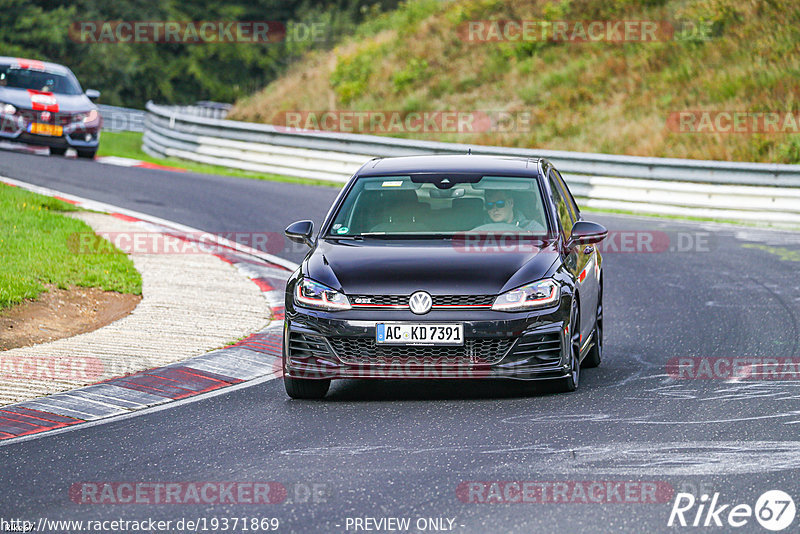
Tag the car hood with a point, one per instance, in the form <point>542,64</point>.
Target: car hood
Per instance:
<point>21,98</point>
<point>402,267</point>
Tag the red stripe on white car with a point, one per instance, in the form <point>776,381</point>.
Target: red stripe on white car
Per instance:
<point>42,101</point>
<point>31,64</point>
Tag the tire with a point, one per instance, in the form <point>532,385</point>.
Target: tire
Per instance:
<point>596,352</point>
<point>54,151</point>
<point>570,383</point>
<point>304,388</point>
<point>89,154</point>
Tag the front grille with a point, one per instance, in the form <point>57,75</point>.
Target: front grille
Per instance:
<point>303,346</point>
<point>438,300</point>
<point>463,300</point>
<point>364,351</point>
<point>544,348</point>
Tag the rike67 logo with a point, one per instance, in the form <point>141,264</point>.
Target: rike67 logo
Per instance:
<point>774,510</point>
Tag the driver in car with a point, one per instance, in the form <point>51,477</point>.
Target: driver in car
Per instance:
<point>500,209</point>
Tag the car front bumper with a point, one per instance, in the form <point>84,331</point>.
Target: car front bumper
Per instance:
<point>523,346</point>
<point>75,135</point>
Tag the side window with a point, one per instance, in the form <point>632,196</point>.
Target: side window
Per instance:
<point>571,204</point>
<point>564,213</point>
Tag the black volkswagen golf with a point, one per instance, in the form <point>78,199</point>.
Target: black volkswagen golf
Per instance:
<point>446,267</point>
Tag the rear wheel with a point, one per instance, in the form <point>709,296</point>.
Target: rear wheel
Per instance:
<point>570,383</point>
<point>304,388</point>
<point>87,153</point>
<point>596,352</point>
<point>54,151</point>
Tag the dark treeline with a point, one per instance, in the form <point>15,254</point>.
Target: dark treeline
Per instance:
<point>129,74</point>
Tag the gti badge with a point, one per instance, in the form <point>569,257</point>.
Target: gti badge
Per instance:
<point>420,302</point>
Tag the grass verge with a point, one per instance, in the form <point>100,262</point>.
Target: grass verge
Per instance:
<point>129,145</point>
<point>35,250</point>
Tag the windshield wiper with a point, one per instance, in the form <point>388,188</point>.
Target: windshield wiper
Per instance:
<point>347,237</point>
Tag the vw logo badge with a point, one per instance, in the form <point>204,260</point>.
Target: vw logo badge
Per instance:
<point>420,302</point>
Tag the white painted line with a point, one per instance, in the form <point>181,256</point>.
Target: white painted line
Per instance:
<point>118,394</point>
<point>43,404</point>
<point>99,408</point>
<point>240,372</point>
<point>106,399</point>
<point>120,162</point>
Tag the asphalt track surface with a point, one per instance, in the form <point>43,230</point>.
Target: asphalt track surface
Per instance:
<point>402,448</point>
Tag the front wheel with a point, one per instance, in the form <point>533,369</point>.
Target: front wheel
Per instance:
<point>573,338</point>
<point>304,388</point>
<point>89,154</point>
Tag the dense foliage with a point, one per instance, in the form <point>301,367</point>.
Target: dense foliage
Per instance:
<point>131,73</point>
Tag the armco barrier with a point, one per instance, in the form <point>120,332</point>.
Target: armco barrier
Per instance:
<point>739,191</point>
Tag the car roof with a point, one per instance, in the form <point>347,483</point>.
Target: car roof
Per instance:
<point>55,68</point>
<point>465,163</point>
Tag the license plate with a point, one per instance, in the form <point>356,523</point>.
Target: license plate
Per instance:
<point>45,129</point>
<point>419,334</point>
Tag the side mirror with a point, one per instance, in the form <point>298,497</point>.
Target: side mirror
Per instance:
<point>587,233</point>
<point>300,232</point>
<point>93,94</point>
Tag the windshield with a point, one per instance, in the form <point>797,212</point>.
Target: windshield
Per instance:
<point>434,205</point>
<point>38,80</point>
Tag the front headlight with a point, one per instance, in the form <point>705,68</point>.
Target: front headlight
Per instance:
<point>315,295</point>
<point>536,295</point>
<point>8,109</point>
<point>86,118</point>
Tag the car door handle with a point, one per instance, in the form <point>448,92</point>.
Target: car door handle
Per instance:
<point>588,250</point>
